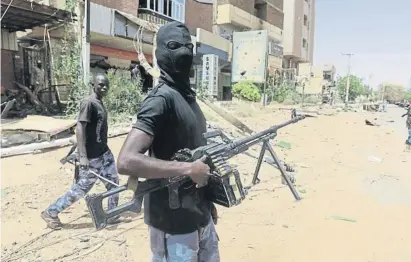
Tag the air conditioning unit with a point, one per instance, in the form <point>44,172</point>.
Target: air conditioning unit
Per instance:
<point>275,49</point>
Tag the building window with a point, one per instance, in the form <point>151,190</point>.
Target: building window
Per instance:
<point>305,20</point>
<point>174,9</point>
<point>304,43</point>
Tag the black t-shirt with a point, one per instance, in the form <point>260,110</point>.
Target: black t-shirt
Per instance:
<point>94,113</point>
<point>175,124</point>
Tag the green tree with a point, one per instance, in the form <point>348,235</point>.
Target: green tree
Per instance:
<point>281,90</point>
<point>357,87</point>
<point>393,92</point>
<point>124,96</point>
<point>247,90</point>
<point>407,95</point>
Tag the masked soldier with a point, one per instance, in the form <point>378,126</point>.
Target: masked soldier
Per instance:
<point>168,120</point>
<point>94,154</point>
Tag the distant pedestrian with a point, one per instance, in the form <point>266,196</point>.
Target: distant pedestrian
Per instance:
<point>408,124</point>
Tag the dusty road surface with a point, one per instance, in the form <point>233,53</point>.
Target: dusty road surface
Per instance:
<point>355,181</point>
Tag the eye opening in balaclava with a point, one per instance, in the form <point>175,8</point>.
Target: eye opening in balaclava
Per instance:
<point>174,54</point>
<point>174,45</point>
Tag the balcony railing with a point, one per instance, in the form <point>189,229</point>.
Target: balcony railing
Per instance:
<point>162,11</point>
<point>153,17</point>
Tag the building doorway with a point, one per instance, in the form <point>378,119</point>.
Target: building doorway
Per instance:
<point>227,95</point>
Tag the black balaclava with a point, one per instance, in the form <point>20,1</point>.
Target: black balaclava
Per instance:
<point>174,54</point>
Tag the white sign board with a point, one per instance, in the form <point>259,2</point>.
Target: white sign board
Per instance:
<point>210,74</point>
<point>249,56</point>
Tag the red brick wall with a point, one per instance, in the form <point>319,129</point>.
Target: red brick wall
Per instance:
<point>120,54</point>
<point>127,6</point>
<point>198,15</point>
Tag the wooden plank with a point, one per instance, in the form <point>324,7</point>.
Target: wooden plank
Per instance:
<point>30,148</point>
<point>7,108</point>
<point>32,97</point>
<point>43,124</point>
<point>228,117</point>
<point>24,149</point>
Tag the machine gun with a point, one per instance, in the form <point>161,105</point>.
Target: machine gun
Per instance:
<point>224,186</point>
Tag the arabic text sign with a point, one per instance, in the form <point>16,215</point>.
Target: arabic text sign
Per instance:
<point>210,74</point>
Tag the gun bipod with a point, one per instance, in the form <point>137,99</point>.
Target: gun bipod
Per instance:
<point>266,146</point>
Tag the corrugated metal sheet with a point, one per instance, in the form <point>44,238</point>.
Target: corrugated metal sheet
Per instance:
<point>8,40</point>
<point>120,24</point>
<point>102,19</point>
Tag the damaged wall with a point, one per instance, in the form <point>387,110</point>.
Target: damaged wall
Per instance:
<point>8,50</point>
<point>7,70</point>
<point>198,15</point>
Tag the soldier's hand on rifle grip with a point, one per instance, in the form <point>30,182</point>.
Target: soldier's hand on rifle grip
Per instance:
<point>84,163</point>
<point>199,172</point>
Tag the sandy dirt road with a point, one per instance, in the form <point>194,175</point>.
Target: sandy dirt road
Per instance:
<point>355,181</point>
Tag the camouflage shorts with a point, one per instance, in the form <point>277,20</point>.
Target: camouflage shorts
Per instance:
<point>199,246</point>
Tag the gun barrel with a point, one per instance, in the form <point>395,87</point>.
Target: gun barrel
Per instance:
<point>268,131</point>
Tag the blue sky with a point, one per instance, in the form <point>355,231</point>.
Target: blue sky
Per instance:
<point>378,32</point>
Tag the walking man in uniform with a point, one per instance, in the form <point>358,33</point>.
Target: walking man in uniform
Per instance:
<point>170,119</point>
<point>93,151</point>
<point>408,124</point>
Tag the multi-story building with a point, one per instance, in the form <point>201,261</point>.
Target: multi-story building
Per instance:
<point>161,11</point>
<point>244,15</point>
<point>317,81</point>
<point>114,24</point>
<point>122,21</point>
<point>113,29</point>
<point>298,34</point>
<point>214,21</point>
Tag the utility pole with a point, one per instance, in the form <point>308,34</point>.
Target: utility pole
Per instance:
<point>347,89</point>
<point>215,10</point>
<point>370,86</point>
<point>86,43</point>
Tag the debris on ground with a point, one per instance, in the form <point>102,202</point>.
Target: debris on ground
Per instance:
<point>369,123</point>
<point>344,219</point>
<point>332,150</point>
<point>374,159</point>
<point>284,144</point>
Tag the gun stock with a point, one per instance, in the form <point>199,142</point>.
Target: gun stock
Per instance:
<point>140,188</point>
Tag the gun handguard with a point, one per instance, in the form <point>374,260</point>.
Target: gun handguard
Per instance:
<point>224,187</point>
